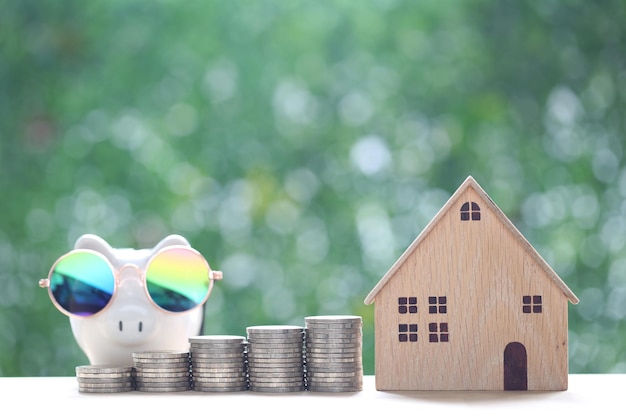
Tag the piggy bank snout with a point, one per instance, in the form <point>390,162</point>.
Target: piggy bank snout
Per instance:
<point>131,319</point>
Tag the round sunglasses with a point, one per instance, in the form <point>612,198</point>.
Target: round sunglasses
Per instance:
<point>83,282</point>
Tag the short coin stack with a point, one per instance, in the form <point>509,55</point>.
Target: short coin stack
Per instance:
<point>104,378</point>
<point>334,353</point>
<point>275,358</point>
<point>218,363</point>
<point>162,371</point>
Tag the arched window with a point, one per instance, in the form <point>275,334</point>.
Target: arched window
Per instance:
<point>470,210</point>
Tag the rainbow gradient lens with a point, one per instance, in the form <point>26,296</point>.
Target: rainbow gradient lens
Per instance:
<point>82,283</point>
<point>178,279</point>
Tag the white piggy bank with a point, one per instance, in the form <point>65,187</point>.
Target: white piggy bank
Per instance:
<point>131,321</point>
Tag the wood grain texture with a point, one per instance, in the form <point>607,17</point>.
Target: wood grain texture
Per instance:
<point>484,269</point>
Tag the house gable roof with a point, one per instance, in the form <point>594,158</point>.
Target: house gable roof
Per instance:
<point>452,202</point>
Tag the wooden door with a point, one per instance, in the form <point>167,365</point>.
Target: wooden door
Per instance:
<point>515,367</point>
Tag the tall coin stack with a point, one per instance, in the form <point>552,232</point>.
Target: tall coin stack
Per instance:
<point>218,363</point>
<point>333,347</point>
<point>162,371</point>
<point>104,378</point>
<point>275,358</point>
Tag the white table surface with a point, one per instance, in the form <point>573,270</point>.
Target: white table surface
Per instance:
<point>588,394</point>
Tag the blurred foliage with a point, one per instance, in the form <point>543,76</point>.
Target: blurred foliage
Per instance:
<point>301,146</point>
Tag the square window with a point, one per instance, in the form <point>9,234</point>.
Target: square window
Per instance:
<point>433,338</point>
<point>413,337</point>
<point>432,300</point>
<point>443,309</point>
<point>443,337</point>
<point>526,309</point>
<point>412,300</point>
<point>402,337</point>
<point>475,215</point>
<point>442,300</point>
<point>536,299</point>
<point>402,309</point>
<point>412,309</point>
<point>526,299</point>
<point>443,327</point>
<point>536,309</point>
<point>465,216</point>
<point>402,300</point>
<point>432,309</point>
<point>403,328</point>
<point>432,327</point>
<point>413,328</point>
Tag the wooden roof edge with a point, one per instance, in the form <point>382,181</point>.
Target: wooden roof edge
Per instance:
<point>530,248</point>
<point>383,281</point>
<point>470,182</point>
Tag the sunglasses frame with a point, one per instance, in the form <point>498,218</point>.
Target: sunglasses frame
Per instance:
<point>45,282</point>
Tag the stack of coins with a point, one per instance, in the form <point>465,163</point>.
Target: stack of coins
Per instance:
<point>275,358</point>
<point>104,378</point>
<point>334,353</point>
<point>162,371</point>
<point>218,363</point>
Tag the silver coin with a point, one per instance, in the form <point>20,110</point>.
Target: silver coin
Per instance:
<point>275,363</point>
<point>270,346</point>
<point>217,349</point>
<point>162,373</point>
<point>338,338</point>
<point>277,389</point>
<point>104,375</point>
<point>161,359</point>
<point>178,384</point>
<point>232,388</point>
<point>239,380</point>
<point>222,389</point>
<point>333,342</point>
<point>334,374</point>
<point>106,385</point>
<point>335,389</point>
<point>276,373</point>
<point>161,365</point>
<point>210,364</point>
<point>338,368</point>
<point>334,379</point>
<point>224,366</point>
<point>258,384</point>
<point>103,369</point>
<point>233,384</point>
<point>212,351</point>
<point>82,380</point>
<point>276,380</point>
<point>327,366</point>
<point>105,390</point>
<point>271,341</point>
<point>168,381</point>
<point>221,355</point>
<point>163,389</point>
<point>275,355</point>
<point>351,350</point>
<point>160,354</point>
<point>274,328</point>
<point>220,374</point>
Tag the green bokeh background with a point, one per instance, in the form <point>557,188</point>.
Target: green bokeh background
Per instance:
<point>302,145</point>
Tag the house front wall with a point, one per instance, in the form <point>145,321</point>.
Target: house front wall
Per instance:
<point>471,288</point>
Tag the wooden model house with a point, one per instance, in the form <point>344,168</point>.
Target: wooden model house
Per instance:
<point>471,305</point>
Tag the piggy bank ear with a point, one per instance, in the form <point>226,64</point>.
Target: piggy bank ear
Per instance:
<point>95,243</point>
<point>171,240</point>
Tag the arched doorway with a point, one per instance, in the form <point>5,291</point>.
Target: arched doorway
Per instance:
<point>515,367</point>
